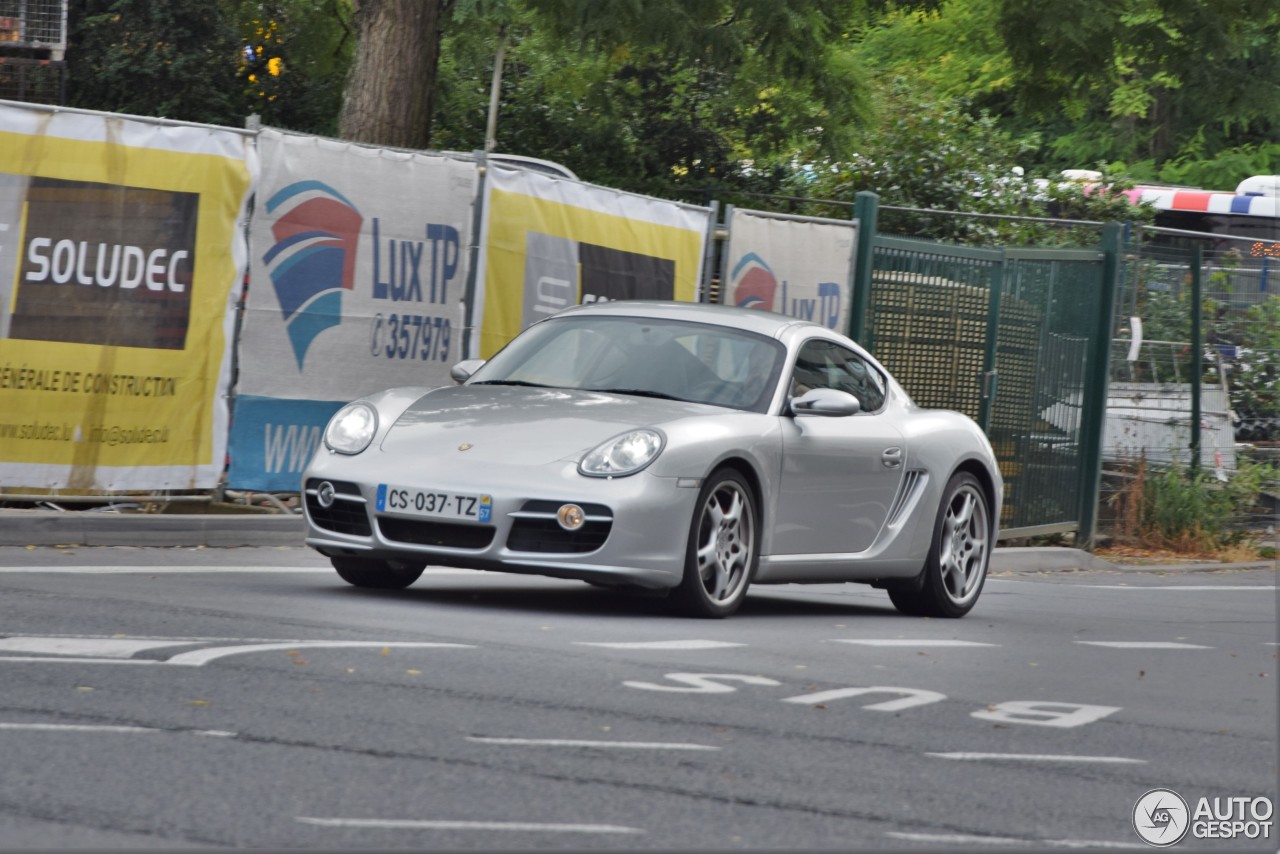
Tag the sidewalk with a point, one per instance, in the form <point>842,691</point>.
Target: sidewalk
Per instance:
<point>23,528</point>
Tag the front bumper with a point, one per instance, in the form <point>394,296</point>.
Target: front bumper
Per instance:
<point>636,531</point>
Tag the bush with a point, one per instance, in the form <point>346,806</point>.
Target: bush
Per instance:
<point>1186,510</point>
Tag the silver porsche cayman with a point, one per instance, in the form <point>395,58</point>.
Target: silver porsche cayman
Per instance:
<point>692,449</point>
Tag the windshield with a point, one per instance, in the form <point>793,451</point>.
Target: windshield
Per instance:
<point>672,359</point>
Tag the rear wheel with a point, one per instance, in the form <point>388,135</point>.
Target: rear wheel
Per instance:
<point>378,574</point>
<point>957,563</point>
<point>723,548</point>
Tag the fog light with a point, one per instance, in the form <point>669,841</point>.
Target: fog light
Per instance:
<point>571,517</point>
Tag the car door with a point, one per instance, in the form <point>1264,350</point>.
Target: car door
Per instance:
<point>839,474</point>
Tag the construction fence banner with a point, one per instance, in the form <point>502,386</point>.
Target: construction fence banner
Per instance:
<point>549,243</point>
<point>121,262</point>
<point>798,266</point>
<point>357,274</point>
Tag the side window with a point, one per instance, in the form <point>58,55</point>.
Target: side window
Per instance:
<point>825,364</point>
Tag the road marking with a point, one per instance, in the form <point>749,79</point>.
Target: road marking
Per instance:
<point>911,643</point>
<point>77,728</point>
<point>49,659</point>
<point>670,644</point>
<point>565,742</point>
<point>1143,644</point>
<point>200,657</point>
<point>107,728</point>
<point>974,839</point>
<point>911,697</point>
<point>99,647</point>
<point>1035,757</point>
<point>1242,588</point>
<point>703,683</point>
<point>415,824</point>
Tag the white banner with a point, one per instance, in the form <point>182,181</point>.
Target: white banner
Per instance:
<point>550,243</point>
<point>797,266</point>
<point>357,277</point>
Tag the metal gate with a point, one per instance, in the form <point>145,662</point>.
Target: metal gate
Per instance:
<point>1015,338</point>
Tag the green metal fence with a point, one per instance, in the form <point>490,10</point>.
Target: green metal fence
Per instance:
<point>1018,339</point>
<point>1195,367</point>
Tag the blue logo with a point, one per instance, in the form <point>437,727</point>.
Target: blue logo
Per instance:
<point>317,232</point>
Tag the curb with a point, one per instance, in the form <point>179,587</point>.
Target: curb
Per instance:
<point>87,528</point>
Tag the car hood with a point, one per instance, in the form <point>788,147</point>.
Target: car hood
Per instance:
<point>523,426</point>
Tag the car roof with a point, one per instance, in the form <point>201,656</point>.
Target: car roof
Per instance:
<point>748,319</point>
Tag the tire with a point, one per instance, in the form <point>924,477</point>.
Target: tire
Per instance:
<point>956,567</point>
<point>377,574</point>
<point>723,548</point>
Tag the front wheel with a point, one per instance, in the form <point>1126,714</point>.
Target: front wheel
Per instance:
<point>723,548</point>
<point>377,574</point>
<point>957,563</point>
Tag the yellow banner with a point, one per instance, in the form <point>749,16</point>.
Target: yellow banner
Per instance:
<point>550,244</point>
<point>119,268</point>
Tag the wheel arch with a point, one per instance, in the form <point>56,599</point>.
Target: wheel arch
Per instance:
<point>748,472</point>
<point>987,481</point>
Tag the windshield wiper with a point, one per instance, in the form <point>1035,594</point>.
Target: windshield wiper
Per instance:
<point>638,392</point>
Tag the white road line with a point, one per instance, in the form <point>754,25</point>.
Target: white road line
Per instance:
<point>566,742</point>
<point>51,659</point>
<point>1036,757</point>
<point>911,643</point>
<point>669,644</point>
<point>200,657</point>
<point>974,839</point>
<point>1143,644</point>
<point>415,824</point>
<point>107,728</point>
<point>100,647</point>
<point>78,728</point>
<point>1239,588</point>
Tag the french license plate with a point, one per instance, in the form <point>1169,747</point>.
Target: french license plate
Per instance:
<point>413,501</point>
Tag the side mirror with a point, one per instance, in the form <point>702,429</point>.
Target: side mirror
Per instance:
<point>462,371</point>
<point>826,402</point>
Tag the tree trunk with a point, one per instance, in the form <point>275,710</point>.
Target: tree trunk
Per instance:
<point>390,92</point>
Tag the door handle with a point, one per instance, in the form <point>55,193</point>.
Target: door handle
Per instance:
<point>892,458</point>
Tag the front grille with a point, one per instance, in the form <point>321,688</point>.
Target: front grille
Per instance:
<point>347,515</point>
<point>535,529</point>
<point>420,532</point>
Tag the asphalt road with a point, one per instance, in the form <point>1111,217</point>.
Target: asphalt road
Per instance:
<point>174,698</point>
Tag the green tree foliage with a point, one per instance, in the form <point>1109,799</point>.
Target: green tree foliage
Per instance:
<point>293,59</point>
<point>632,117</point>
<point>213,62</point>
<point>684,99</point>
<point>170,58</point>
<point>1155,84</point>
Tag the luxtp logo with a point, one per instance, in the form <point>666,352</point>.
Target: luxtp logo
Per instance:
<point>753,284</point>
<point>317,232</point>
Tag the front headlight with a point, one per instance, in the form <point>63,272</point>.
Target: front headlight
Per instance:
<point>352,429</point>
<point>623,455</point>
